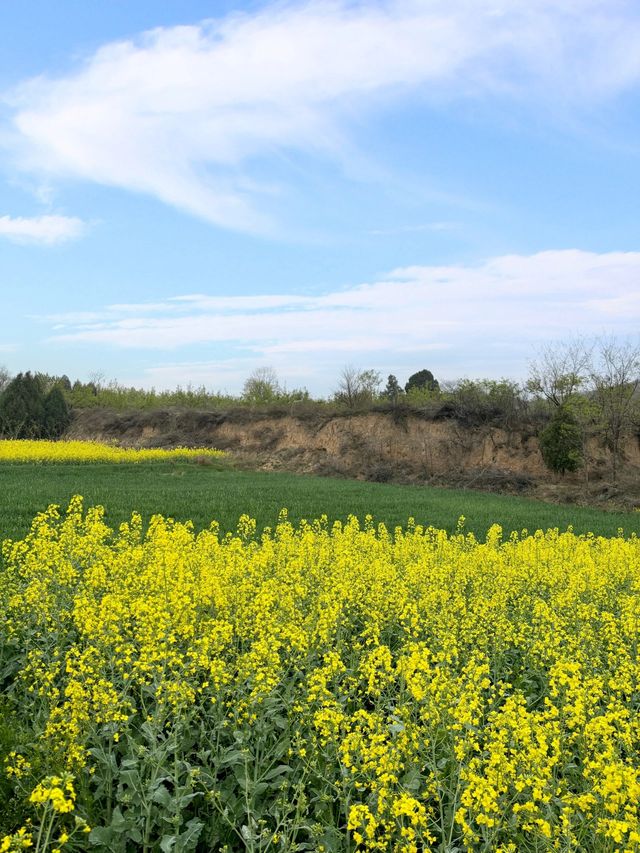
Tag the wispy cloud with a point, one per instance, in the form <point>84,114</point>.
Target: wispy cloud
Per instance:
<point>41,230</point>
<point>185,114</point>
<point>455,314</point>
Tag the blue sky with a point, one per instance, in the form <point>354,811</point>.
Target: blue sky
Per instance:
<point>191,190</point>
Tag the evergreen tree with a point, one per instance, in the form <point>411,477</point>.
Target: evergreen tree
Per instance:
<point>56,415</point>
<point>392,390</point>
<point>22,408</point>
<point>423,380</point>
<point>561,442</point>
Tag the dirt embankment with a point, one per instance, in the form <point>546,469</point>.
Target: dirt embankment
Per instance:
<point>373,446</point>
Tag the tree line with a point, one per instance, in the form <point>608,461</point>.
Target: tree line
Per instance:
<point>30,410</point>
<point>575,390</point>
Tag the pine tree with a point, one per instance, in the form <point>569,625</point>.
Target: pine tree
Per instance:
<point>22,408</point>
<point>57,416</point>
<point>392,390</point>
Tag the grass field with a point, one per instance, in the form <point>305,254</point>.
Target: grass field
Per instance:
<point>204,493</point>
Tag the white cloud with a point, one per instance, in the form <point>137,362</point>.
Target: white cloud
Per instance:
<point>184,113</point>
<point>479,320</point>
<point>43,230</point>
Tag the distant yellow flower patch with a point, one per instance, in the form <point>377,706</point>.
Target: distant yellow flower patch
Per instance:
<point>93,451</point>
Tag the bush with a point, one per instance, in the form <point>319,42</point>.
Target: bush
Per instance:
<point>561,442</point>
<point>487,401</point>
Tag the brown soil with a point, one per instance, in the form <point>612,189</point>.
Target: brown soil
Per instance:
<point>374,446</point>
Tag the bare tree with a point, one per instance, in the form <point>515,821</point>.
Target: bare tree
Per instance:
<point>97,379</point>
<point>262,386</point>
<point>560,370</point>
<point>5,378</point>
<point>615,380</point>
<point>357,387</point>
<point>347,390</point>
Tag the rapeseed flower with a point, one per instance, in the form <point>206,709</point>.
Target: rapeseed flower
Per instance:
<point>92,451</point>
<point>405,690</point>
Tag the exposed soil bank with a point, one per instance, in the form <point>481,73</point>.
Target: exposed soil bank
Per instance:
<point>375,446</point>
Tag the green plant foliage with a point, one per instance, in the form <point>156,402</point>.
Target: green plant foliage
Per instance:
<point>22,408</point>
<point>561,442</point>
<point>487,401</point>
<point>357,389</point>
<point>422,380</point>
<point>192,491</point>
<point>392,391</point>
<point>56,414</point>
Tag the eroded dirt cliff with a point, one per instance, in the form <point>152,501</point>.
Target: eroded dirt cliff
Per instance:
<point>373,446</point>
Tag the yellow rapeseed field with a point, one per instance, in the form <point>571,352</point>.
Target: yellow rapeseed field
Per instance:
<point>93,451</point>
<point>327,688</point>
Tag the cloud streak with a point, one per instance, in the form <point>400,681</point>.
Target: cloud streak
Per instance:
<point>496,310</point>
<point>187,114</point>
<point>41,230</point>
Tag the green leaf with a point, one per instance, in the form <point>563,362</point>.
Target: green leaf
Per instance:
<point>162,796</point>
<point>412,780</point>
<point>189,838</point>
<point>240,773</point>
<point>259,788</point>
<point>332,840</point>
<point>118,821</point>
<point>101,836</point>
<point>280,770</point>
<point>184,799</point>
<point>233,757</point>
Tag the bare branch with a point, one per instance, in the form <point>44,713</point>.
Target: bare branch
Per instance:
<point>615,379</point>
<point>560,370</point>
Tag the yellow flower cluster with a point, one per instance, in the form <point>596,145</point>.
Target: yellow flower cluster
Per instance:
<point>20,840</point>
<point>56,790</point>
<point>16,765</point>
<point>93,451</point>
<point>339,687</point>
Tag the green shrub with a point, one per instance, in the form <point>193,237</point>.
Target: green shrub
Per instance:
<point>561,442</point>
